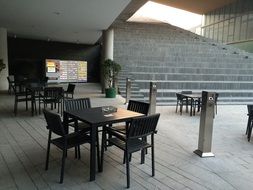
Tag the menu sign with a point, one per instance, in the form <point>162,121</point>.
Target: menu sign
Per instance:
<point>66,70</point>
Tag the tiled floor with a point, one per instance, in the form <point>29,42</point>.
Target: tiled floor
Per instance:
<point>23,141</point>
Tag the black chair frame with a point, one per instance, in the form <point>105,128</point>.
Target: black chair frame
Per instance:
<point>65,141</point>
<point>133,141</point>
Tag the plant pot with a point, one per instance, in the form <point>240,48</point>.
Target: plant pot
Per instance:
<point>110,92</point>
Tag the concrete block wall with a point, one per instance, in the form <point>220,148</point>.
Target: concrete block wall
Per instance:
<point>178,60</point>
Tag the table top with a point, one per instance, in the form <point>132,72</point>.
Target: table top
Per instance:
<point>96,117</point>
<point>193,95</point>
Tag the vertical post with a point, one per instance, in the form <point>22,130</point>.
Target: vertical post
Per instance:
<point>206,125</point>
<point>128,90</point>
<point>107,51</point>
<point>4,57</point>
<point>152,97</point>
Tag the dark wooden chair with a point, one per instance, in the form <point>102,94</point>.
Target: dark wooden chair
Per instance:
<point>11,83</point>
<point>35,90</point>
<point>250,121</point>
<point>138,129</point>
<point>70,91</point>
<point>136,106</point>
<point>53,96</point>
<point>79,104</point>
<point>44,81</point>
<point>187,100</point>
<point>65,141</point>
<point>21,95</point>
<point>181,101</point>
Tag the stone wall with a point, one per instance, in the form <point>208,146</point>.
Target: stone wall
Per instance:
<point>180,60</point>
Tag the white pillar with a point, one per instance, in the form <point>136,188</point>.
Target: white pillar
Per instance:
<point>4,55</point>
<point>107,49</point>
<point>108,36</point>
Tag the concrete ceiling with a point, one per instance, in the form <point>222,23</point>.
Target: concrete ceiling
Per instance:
<point>195,6</point>
<point>75,21</point>
<point>78,21</point>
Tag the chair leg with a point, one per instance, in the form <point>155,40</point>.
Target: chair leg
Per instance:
<point>63,164</point>
<point>143,152</point>
<point>176,106</point>
<point>250,131</point>
<point>79,152</point>
<point>181,109</point>
<point>15,106</point>
<point>103,148</point>
<point>26,102</point>
<point>48,150</point>
<point>142,156</point>
<point>248,125</point>
<point>76,147</point>
<point>127,169</point>
<point>58,110</point>
<point>39,104</point>
<point>152,155</point>
<point>187,103</point>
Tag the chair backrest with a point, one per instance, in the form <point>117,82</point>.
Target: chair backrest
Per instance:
<point>140,107</point>
<point>44,81</point>
<point>250,109</point>
<point>54,123</point>
<point>77,104</point>
<point>142,126</point>
<point>71,88</point>
<point>216,97</point>
<point>10,78</point>
<point>53,92</point>
<point>180,97</point>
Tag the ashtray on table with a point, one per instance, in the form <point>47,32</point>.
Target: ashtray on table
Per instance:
<point>108,109</point>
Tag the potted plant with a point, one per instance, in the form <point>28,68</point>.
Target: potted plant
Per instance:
<point>2,65</point>
<point>110,71</point>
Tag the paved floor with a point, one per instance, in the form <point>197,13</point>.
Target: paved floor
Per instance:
<point>23,148</point>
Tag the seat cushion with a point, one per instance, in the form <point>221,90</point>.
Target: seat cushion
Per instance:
<point>72,139</point>
<point>133,145</point>
<point>119,128</point>
<point>81,126</point>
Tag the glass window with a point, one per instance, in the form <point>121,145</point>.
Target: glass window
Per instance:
<point>225,31</point>
<point>237,28</point>
<point>220,32</point>
<point>243,27</point>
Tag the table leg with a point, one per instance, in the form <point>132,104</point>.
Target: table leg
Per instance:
<point>65,122</point>
<point>198,104</point>
<point>32,105</point>
<point>93,154</point>
<point>187,105</point>
<point>191,106</point>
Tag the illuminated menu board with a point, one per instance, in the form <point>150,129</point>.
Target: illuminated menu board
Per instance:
<point>66,70</point>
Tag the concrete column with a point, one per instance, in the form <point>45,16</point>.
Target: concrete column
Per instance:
<point>107,50</point>
<point>108,39</point>
<point>4,55</point>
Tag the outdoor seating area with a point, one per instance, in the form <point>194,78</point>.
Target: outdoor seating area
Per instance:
<point>126,94</point>
<point>37,93</point>
<point>192,100</point>
<point>25,148</point>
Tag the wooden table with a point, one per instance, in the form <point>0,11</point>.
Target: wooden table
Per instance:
<point>193,97</point>
<point>95,117</point>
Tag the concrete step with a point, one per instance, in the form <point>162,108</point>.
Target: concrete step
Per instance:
<point>201,85</point>
<point>189,70</point>
<point>192,76</point>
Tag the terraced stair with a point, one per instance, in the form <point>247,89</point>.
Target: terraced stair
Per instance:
<point>179,60</point>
